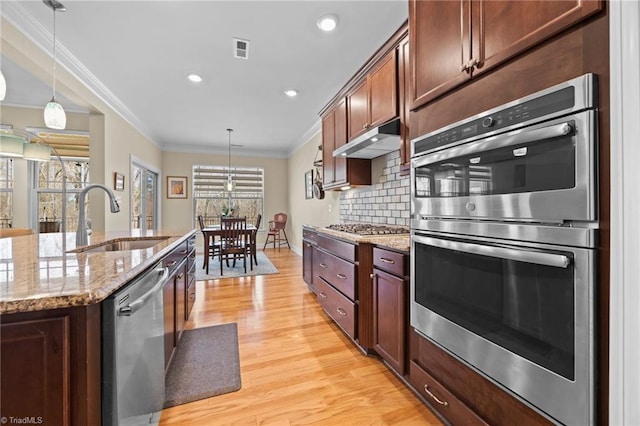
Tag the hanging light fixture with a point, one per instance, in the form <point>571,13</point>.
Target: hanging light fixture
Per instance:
<point>54,115</point>
<point>230,184</point>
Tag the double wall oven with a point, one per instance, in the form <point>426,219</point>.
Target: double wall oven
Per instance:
<point>503,239</point>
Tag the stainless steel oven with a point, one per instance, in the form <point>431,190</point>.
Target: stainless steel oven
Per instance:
<point>503,246</point>
<point>530,160</point>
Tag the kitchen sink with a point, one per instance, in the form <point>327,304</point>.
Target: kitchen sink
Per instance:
<point>120,244</point>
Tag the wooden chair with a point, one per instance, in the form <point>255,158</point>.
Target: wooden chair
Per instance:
<point>276,231</point>
<point>212,248</point>
<point>234,241</point>
<point>253,237</point>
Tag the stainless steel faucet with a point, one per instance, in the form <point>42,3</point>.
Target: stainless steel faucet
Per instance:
<point>81,234</point>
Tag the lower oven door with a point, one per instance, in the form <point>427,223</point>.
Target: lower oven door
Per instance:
<point>522,315</point>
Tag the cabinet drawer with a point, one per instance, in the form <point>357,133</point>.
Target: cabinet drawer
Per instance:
<point>440,399</point>
<point>340,248</point>
<point>341,309</point>
<point>172,260</point>
<point>390,261</point>
<point>337,272</point>
<point>311,236</point>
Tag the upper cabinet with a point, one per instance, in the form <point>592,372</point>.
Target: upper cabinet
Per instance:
<point>374,100</point>
<point>339,172</point>
<point>452,42</point>
<point>372,97</point>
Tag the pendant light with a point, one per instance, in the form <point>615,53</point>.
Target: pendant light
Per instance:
<point>230,184</point>
<point>54,115</point>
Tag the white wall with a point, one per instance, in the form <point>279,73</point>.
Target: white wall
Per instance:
<point>624,326</point>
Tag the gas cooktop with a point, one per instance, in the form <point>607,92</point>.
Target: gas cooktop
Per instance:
<point>368,229</point>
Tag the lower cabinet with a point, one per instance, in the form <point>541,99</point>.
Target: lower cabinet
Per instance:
<point>459,393</point>
<point>178,294</point>
<point>169,302</point>
<point>340,308</point>
<point>309,244</point>
<point>50,366</point>
<point>390,306</point>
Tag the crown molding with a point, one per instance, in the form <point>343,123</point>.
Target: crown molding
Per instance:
<point>39,35</point>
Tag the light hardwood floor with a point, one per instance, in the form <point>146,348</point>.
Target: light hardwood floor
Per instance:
<point>298,368</point>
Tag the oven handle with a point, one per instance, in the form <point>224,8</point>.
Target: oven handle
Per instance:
<point>500,141</point>
<point>548,259</point>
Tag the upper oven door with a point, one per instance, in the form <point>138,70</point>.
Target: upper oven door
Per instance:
<point>539,173</point>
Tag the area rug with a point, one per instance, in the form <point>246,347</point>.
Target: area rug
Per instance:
<point>264,267</point>
<point>206,364</point>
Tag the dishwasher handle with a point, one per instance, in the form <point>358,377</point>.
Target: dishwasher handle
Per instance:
<point>135,306</point>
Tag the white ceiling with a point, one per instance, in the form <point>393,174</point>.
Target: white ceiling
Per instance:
<point>137,54</point>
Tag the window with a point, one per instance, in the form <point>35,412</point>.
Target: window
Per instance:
<point>211,199</point>
<point>6,192</point>
<point>48,188</point>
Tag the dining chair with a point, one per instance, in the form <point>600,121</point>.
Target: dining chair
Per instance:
<point>211,247</point>
<point>253,237</point>
<point>233,241</point>
<point>277,231</point>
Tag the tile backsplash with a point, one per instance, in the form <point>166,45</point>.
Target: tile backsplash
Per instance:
<point>386,201</point>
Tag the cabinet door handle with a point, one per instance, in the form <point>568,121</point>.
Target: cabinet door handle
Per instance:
<point>385,260</point>
<point>435,398</point>
<point>364,126</point>
<point>323,295</point>
<point>323,265</point>
<point>341,276</point>
<point>342,312</point>
<point>180,275</point>
<point>372,275</point>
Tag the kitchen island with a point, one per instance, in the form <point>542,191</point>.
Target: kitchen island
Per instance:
<point>50,306</point>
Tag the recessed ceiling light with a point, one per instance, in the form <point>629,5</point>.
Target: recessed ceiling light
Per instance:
<point>194,78</point>
<point>292,93</point>
<point>328,22</point>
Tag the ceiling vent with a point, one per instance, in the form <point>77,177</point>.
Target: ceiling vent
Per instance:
<point>240,48</point>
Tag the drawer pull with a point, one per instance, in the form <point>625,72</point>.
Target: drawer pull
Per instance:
<point>342,312</point>
<point>341,276</point>
<point>184,251</point>
<point>323,265</point>
<point>323,295</point>
<point>170,264</point>
<point>435,398</point>
<point>385,260</point>
<point>180,275</point>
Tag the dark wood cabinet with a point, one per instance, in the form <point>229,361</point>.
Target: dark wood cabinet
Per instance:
<point>452,42</point>
<point>375,100</point>
<point>178,294</point>
<point>169,301</point>
<point>460,394</point>
<point>390,286</point>
<point>50,366</point>
<point>404,95</point>
<point>337,171</point>
<point>38,350</point>
<point>309,243</point>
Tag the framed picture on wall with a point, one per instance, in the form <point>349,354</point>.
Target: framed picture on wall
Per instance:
<point>176,187</point>
<point>308,184</point>
<point>118,181</point>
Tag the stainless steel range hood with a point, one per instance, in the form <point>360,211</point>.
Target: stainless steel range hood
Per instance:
<point>376,142</point>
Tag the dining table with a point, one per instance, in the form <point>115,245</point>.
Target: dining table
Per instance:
<point>211,232</point>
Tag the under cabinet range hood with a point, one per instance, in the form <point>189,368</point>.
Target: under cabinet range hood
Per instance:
<point>376,142</point>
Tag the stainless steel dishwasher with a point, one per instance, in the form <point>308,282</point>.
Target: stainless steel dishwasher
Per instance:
<point>133,351</point>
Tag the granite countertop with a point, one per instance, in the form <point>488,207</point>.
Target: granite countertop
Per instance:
<point>399,242</point>
<point>37,271</point>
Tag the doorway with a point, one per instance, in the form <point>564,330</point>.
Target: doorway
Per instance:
<point>144,198</point>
